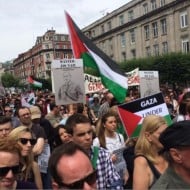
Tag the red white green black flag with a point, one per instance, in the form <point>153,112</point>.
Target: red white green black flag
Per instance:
<point>111,76</point>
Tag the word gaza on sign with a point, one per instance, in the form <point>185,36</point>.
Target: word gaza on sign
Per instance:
<point>92,84</point>
<point>133,113</point>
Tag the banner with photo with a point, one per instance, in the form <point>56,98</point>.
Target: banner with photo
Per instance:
<point>68,81</point>
<point>92,84</point>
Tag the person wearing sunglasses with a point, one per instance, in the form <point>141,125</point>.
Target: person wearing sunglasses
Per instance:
<point>29,168</point>
<point>71,168</point>
<point>80,129</point>
<point>10,166</point>
<point>25,117</point>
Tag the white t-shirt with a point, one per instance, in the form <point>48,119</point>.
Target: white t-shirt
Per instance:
<point>113,143</point>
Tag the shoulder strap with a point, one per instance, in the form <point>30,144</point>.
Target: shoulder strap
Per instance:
<point>95,156</point>
<point>155,172</point>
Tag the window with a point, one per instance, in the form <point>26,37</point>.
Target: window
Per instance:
<point>145,8</point>
<point>93,33</point>
<point>183,19</point>
<point>133,53</point>
<point>102,29</point>
<point>47,46</point>
<point>66,56</point>
<point>153,4</point>
<point>165,47</point>
<point>47,55</point>
<point>57,54</point>
<point>156,49</point>
<point>148,51</point>
<point>103,45</point>
<point>123,40</point>
<point>162,3</point>
<point>147,32</point>
<point>185,45</point>
<point>110,44</point>
<point>121,20</point>
<point>163,26</point>
<point>130,15</point>
<point>109,25</point>
<point>155,29</point>
<point>124,56</point>
<point>132,33</point>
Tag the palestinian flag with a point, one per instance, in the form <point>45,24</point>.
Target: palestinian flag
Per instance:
<point>132,113</point>
<point>111,76</point>
<point>34,83</point>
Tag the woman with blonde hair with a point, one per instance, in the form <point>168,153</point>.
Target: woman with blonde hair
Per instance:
<point>30,169</point>
<point>148,163</point>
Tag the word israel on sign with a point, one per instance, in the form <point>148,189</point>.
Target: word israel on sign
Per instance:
<point>92,84</point>
<point>132,113</point>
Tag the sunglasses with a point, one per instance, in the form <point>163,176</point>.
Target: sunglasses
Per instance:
<point>10,111</point>
<point>25,141</point>
<point>90,179</point>
<point>4,170</point>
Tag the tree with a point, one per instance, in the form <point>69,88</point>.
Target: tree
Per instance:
<point>8,80</point>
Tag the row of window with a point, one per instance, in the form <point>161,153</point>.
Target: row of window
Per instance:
<point>131,16</point>
<point>155,51</point>
<point>155,29</point>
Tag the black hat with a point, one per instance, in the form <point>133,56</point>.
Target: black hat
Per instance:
<point>176,135</point>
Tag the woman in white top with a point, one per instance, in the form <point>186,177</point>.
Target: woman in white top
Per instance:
<point>108,138</point>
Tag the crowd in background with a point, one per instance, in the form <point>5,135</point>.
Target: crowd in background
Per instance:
<point>44,126</point>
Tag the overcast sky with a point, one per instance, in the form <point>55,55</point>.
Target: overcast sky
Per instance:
<point>21,21</point>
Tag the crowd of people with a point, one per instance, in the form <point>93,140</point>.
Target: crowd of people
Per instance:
<point>85,145</point>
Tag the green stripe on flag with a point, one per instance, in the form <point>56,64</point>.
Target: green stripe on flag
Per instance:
<point>138,128</point>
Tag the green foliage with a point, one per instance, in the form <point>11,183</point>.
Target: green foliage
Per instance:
<point>173,67</point>
<point>8,80</point>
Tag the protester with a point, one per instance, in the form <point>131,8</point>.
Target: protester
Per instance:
<point>80,129</point>
<point>61,135</point>
<point>8,112</point>
<point>109,139</point>
<point>54,116</point>
<point>29,168</point>
<point>71,168</point>
<point>104,108</point>
<point>9,166</point>
<point>24,115</point>
<point>176,148</point>
<point>148,164</point>
<point>39,121</point>
<point>5,126</point>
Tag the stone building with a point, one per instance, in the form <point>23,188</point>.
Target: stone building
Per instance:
<point>143,28</point>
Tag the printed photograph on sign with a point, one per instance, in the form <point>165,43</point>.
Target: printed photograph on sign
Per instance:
<point>68,85</point>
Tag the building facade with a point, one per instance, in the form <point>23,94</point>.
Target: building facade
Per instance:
<point>143,28</point>
<point>37,61</point>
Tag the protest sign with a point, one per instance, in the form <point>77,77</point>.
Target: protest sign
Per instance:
<point>132,113</point>
<point>68,81</point>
